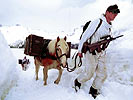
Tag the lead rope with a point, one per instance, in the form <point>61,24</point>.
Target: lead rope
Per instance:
<point>79,64</point>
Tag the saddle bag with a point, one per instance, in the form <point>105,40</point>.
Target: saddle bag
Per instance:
<point>33,45</point>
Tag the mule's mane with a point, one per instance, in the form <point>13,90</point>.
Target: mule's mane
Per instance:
<point>51,46</point>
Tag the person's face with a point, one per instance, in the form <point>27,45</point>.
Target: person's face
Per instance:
<point>111,15</point>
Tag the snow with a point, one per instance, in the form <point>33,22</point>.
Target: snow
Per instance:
<point>8,70</point>
<point>16,84</point>
<point>27,88</point>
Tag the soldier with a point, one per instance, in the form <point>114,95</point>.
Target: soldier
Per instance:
<point>95,62</point>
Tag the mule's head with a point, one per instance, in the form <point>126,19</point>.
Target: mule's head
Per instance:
<point>62,50</point>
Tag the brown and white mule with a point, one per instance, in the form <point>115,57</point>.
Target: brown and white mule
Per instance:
<point>58,50</point>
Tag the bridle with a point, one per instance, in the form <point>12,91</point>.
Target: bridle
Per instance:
<point>59,57</point>
<point>64,54</point>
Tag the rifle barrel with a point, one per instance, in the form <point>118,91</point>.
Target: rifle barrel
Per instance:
<point>119,36</point>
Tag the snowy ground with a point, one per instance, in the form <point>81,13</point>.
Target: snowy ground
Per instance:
<point>27,88</point>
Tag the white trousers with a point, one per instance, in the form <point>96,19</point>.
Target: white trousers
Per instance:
<point>94,63</point>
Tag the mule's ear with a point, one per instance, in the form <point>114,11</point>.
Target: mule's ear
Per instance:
<point>65,38</point>
<point>58,39</point>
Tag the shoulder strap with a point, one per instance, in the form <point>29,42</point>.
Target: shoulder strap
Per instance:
<point>96,29</point>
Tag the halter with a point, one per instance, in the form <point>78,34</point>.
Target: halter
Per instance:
<point>58,57</point>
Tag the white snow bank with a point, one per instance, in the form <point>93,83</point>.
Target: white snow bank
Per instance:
<point>8,71</point>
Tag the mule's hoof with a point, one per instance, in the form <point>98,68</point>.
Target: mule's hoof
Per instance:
<point>37,79</point>
<point>56,82</point>
<point>45,84</point>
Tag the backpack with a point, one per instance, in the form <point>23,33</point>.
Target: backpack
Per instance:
<point>84,28</point>
<point>87,24</point>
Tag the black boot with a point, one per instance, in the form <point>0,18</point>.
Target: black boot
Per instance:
<point>93,92</point>
<point>77,84</point>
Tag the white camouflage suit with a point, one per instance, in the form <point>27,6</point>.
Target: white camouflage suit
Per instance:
<point>94,63</point>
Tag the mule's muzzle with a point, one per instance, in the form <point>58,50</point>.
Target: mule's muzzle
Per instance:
<point>64,65</point>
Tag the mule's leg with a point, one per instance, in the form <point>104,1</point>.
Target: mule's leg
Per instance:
<point>59,76</point>
<point>37,66</point>
<point>45,75</point>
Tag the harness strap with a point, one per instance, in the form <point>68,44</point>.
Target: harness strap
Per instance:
<point>96,29</point>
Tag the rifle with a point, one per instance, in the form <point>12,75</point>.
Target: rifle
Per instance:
<point>98,46</point>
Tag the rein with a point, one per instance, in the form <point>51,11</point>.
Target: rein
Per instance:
<point>79,64</point>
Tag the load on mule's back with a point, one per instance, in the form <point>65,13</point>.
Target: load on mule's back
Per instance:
<point>35,45</point>
<point>56,53</point>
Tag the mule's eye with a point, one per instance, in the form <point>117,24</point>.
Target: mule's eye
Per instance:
<point>58,45</point>
<point>57,49</point>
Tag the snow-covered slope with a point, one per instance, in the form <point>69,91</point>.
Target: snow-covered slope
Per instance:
<point>8,69</point>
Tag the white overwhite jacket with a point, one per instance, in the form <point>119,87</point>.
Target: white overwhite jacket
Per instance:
<point>103,30</point>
